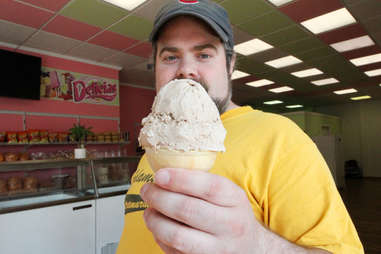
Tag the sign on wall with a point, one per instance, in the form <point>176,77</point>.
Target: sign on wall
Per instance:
<point>79,88</point>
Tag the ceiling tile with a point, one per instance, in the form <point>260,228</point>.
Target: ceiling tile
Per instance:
<point>370,67</point>
<point>342,34</point>
<point>285,36</point>
<point>91,52</point>
<point>14,33</point>
<point>240,36</point>
<point>268,55</point>
<point>53,5</point>
<point>143,49</point>
<point>302,45</point>
<point>362,52</point>
<point>51,42</point>
<point>113,40</point>
<point>16,13</point>
<point>366,9</point>
<point>239,15</point>
<point>128,27</point>
<point>78,30</point>
<point>315,53</point>
<point>311,8</point>
<point>126,60</point>
<point>266,24</point>
<point>94,12</point>
<point>149,10</point>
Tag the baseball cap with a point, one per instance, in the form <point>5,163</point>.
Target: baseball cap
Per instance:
<point>210,12</point>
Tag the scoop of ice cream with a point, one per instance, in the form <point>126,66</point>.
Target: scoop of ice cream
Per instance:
<point>183,118</point>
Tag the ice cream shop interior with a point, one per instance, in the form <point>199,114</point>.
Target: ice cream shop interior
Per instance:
<point>78,78</point>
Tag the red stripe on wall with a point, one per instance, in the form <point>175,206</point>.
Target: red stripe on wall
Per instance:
<point>58,107</point>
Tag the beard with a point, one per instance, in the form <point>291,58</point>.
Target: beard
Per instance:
<point>221,103</point>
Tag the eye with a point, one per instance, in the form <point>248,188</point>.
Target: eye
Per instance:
<point>204,56</point>
<point>170,58</point>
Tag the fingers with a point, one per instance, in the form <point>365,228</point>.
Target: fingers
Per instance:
<point>191,211</point>
<point>209,187</point>
<point>174,237</point>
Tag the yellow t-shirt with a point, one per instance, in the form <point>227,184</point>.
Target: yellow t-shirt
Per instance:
<point>287,181</point>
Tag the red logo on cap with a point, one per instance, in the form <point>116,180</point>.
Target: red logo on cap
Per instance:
<point>188,1</point>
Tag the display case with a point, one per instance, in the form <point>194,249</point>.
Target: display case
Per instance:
<point>39,183</point>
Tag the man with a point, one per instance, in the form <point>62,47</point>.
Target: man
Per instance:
<point>270,192</point>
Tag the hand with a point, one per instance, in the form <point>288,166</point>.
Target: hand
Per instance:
<point>198,212</point>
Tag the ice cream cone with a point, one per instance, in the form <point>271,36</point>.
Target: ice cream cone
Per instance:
<point>197,160</point>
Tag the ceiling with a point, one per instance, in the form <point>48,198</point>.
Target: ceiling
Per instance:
<point>97,31</point>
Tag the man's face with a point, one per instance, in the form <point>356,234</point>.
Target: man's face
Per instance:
<point>187,48</point>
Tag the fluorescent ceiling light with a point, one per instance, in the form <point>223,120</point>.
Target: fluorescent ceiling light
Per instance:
<point>356,43</point>
<point>307,73</point>
<point>126,4</point>
<point>273,102</point>
<point>283,62</point>
<point>281,89</point>
<point>361,98</point>
<point>294,106</point>
<point>323,82</point>
<point>239,74</point>
<point>279,2</point>
<point>329,21</point>
<point>373,73</point>
<point>366,59</point>
<point>259,83</point>
<point>252,47</point>
<point>345,91</point>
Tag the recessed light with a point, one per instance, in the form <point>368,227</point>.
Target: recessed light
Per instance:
<point>281,89</point>
<point>252,47</point>
<point>356,43</point>
<point>365,97</point>
<point>239,74</point>
<point>273,102</point>
<point>294,106</point>
<point>307,73</point>
<point>279,2</point>
<point>364,60</point>
<point>373,73</point>
<point>323,82</point>
<point>283,62</point>
<point>128,5</point>
<point>345,91</point>
<point>329,21</point>
<point>259,83</point>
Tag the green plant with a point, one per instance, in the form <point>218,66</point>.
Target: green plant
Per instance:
<point>78,133</point>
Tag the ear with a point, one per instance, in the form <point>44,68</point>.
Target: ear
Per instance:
<point>232,64</point>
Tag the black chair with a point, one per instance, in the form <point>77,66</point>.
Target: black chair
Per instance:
<point>352,169</point>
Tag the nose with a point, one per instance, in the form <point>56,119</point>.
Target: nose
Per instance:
<point>187,69</point>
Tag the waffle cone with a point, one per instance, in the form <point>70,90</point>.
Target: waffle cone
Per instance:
<point>197,160</point>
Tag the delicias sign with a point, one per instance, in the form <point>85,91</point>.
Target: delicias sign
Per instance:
<point>93,90</point>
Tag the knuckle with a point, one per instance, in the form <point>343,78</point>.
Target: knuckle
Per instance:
<point>213,189</point>
<point>186,211</point>
<point>177,240</point>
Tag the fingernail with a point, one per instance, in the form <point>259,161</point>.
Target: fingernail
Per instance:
<point>143,190</point>
<point>162,177</point>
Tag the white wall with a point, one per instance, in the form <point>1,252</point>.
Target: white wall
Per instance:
<point>361,133</point>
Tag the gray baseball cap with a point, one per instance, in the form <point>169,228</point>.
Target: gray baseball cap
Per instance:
<point>210,12</point>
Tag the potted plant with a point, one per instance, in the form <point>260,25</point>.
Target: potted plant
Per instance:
<point>78,134</point>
